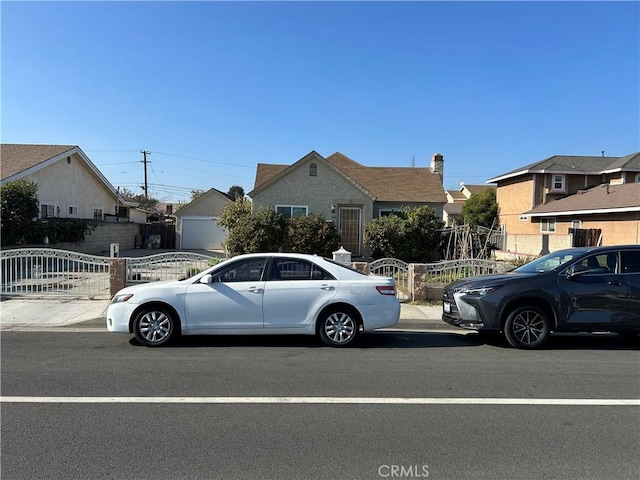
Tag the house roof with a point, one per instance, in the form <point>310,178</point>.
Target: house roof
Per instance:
<point>453,208</point>
<point>476,189</point>
<point>212,192</point>
<point>604,198</point>
<point>15,158</point>
<point>582,165</point>
<point>457,195</point>
<point>19,160</point>
<point>383,184</point>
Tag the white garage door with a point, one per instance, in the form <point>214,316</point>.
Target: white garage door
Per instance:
<point>202,233</point>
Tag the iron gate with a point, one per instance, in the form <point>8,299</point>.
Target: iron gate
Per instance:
<point>396,269</point>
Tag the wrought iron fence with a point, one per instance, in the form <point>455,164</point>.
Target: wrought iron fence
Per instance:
<point>166,266</point>
<point>47,271</point>
<point>442,273</point>
<point>396,269</point>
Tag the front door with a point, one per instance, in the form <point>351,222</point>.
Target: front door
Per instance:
<point>350,227</point>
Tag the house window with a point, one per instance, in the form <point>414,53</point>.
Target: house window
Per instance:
<point>385,212</point>
<point>289,211</point>
<point>313,170</point>
<point>72,210</point>
<point>97,213</point>
<point>47,210</point>
<point>558,184</point>
<point>548,225</point>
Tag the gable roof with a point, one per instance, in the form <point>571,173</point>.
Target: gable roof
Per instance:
<point>20,160</point>
<point>209,193</point>
<point>604,198</point>
<point>582,165</point>
<point>457,195</point>
<point>476,189</point>
<point>382,184</point>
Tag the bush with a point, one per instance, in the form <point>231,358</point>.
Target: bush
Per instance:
<point>263,231</point>
<point>19,213</point>
<point>384,236</point>
<point>312,234</point>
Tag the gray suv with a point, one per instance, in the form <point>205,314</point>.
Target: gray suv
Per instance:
<point>588,289</point>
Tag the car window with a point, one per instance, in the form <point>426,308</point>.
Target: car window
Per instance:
<point>247,270</point>
<point>630,262</point>
<point>297,269</point>
<point>547,263</point>
<point>595,263</point>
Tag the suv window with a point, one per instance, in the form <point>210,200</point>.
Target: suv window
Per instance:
<point>630,262</point>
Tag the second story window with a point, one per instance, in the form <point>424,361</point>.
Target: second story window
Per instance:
<point>313,170</point>
<point>558,184</point>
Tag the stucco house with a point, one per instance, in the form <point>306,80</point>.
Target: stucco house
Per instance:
<point>565,201</point>
<point>346,192</point>
<point>196,222</point>
<point>69,184</point>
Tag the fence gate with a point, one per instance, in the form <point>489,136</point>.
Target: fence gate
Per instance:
<point>48,271</point>
<point>396,269</point>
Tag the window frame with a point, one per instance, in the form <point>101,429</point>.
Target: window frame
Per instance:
<point>50,207</point>
<point>71,214</point>
<point>95,209</point>
<point>562,182</point>
<point>546,225</point>
<point>291,210</point>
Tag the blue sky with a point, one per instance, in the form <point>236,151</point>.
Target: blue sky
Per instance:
<point>213,88</point>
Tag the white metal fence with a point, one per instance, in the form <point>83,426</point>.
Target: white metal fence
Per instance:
<point>396,269</point>
<point>166,266</point>
<point>47,271</point>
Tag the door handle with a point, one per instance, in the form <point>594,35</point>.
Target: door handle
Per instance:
<point>326,287</point>
<point>617,283</point>
<point>255,290</point>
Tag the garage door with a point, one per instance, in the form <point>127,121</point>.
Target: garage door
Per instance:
<point>202,233</point>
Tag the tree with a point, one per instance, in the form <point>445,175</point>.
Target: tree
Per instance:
<point>411,234</point>
<point>312,234</point>
<point>236,191</point>
<point>263,231</point>
<point>196,193</point>
<point>19,212</point>
<point>232,213</point>
<point>481,209</point>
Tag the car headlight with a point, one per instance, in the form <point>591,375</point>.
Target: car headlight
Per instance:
<point>122,298</point>
<point>479,292</point>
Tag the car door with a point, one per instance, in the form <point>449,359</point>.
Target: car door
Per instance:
<point>232,300</point>
<point>596,295</point>
<point>296,290</point>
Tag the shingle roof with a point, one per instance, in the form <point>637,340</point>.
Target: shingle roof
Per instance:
<point>477,189</point>
<point>386,184</point>
<point>568,164</point>
<point>16,158</point>
<point>457,195</point>
<point>599,199</point>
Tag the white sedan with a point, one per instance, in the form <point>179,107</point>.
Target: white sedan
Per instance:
<point>261,293</point>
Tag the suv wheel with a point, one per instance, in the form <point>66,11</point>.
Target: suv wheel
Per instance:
<point>527,327</point>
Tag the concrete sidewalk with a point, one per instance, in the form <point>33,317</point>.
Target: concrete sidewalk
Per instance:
<point>36,314</point>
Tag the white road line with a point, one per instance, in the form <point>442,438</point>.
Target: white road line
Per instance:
<point>329,400</point>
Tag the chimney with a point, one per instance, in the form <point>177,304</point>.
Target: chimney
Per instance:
<point>437,164</point>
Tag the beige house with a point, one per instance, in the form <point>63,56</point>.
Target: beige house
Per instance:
<point>196,227</point>
<point>346,192</point>
<point>565,201</point>
<point>69,184</point>
<point>452,210</point>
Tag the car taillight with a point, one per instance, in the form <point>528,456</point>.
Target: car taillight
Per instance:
<point>386,289</point>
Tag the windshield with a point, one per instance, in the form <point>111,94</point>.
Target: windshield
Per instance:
<point>548,262</point>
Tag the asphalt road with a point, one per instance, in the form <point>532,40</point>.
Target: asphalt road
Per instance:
<point>98,406</point>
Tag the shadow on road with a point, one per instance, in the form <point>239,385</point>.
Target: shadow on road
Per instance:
<point>406,339</point>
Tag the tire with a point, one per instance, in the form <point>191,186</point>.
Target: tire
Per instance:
<point>338,328</point>
<point>154,326</point>
<point>527,327</point>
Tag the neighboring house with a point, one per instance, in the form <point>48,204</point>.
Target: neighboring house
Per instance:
<point>566,201</point>
<point>452,211</point>
<point>196,222</point>
<point>346,192</point>
<point>69,184</point>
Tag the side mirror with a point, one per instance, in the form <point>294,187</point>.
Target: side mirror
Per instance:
<point>208,278</point>
<point>577,270</point>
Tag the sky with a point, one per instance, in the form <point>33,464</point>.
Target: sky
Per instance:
<point>211,89</point>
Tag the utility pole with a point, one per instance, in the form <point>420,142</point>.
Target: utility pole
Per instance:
<point>145,153</point>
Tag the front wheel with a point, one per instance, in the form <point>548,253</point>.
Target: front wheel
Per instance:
<point>154,326</point>
<point>338,328</point>
<point>527,327</point>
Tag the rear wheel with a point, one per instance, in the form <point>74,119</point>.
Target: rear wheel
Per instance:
<point>527,327</point>
<point>154,326</point>
<point>338,328</point>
